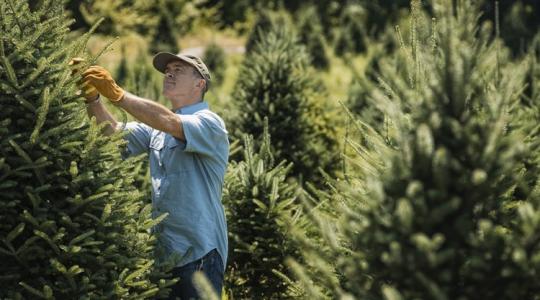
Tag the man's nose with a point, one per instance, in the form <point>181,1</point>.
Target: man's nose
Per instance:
<point>168,75</point>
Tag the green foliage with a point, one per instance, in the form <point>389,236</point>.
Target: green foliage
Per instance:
<point>519,22</point>
<point>352,35</point>
<point>215,60</point>
<point>139,77</point>
<point>383,13</point>
<point>358,102</point>
<point>275,82</point>
<point>261,206</point>
<point>311,36</point>
<point>204,287</point>
<point>73,226</point>
<point>267,21</point>
<point>162,21</point>
<point>166,32</point>
<point>437,215</point>
<point>526,116</point>
<point>531,95</point>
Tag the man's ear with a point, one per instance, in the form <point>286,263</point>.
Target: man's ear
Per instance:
<point>201,84</point>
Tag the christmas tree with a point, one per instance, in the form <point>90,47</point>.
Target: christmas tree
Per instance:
<point>215,60</point>
<point>73,226</point>
<point>267,21</point>
<point>438,215</point>
<point>165,37</point>
<point>312,37</point>
<point>275,82</point>
<point>261,206</point>
<point>138,76</point>
<point>351,37</point>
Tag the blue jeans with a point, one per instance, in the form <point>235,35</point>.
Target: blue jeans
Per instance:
<point>212,267</point>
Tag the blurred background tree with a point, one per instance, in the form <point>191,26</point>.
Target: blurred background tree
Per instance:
<point>275,82</point>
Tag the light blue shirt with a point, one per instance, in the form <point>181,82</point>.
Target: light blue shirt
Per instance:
<point>187,180</point>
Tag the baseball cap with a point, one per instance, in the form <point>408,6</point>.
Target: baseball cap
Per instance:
<point>161,60</point>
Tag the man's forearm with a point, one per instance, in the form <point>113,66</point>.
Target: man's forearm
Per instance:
<point>152,114</point>
<point>98,110</point>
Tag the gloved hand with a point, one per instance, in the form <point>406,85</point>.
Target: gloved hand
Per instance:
<point>102,80</point>
<point>88,91</point>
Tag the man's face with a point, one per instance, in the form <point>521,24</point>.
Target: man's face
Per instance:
<point>181,80</point>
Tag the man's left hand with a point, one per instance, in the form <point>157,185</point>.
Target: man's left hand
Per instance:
<point>100,78</point>
<point>88,91</point>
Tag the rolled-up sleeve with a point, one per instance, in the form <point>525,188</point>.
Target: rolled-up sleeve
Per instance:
<point>203,132</point>
<point>138,138</point>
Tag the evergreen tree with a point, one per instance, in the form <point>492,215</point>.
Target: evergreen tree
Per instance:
<point>526,116</point>
<point>352,35</point>
<point>312,37</point>
<point>267,21</point>
<point>215,60</point>
<point>381,14</point>
<point>437,215</point>
<point>274,82</point>
<point>519,22</point>
<point>139,77</point>
<point>531,95</point>
<point>119,16</point>
<point>260,205</point>
<point>165,37</point>
<point>73,226</point>
<point>360,104</point>
<point>161,21</point>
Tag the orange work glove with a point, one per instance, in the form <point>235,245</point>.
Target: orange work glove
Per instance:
<point>102,80</point>
<point>88,91</point>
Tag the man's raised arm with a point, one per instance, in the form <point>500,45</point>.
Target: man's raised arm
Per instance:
<point>97,109</point>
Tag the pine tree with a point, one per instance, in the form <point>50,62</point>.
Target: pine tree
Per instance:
<point>357,101</point>
<point>267,21</point>
<point>215,60</point>
<point>526,116</point>
<point>437,215</point>
<point>275,82</point>
<point>351,37</point>
<point>531,94</point>
<point>260,206</point>
<point>165,37</point>
<point>162,21</point>
<point>139,77</point>
<point>73,226</point>
<point>120,16</point>
<point>312,37</point>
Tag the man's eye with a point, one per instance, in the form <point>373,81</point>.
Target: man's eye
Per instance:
<point>175,70</point>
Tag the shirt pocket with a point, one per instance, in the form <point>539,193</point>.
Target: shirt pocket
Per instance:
<point>177,160</point>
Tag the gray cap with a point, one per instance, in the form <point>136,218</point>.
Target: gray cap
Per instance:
<point>163,58</point>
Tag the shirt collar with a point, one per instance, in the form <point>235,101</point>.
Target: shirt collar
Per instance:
<point>192,108</point>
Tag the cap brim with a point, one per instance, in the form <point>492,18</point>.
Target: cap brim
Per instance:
<point>161,60</point>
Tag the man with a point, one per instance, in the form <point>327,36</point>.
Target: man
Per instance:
<point>188,151</point>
